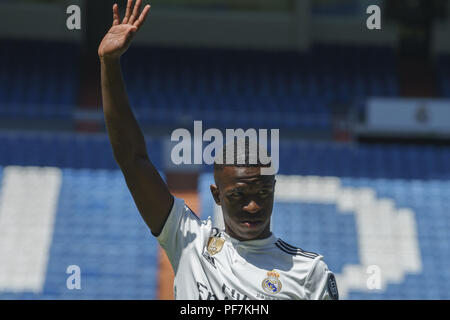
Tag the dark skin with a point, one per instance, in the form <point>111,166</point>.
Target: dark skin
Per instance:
<point>149,191</point>
<point>246,198</point>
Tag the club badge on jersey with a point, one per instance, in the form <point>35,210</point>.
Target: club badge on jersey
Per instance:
<point>215,244</point>
<point>272,283</point>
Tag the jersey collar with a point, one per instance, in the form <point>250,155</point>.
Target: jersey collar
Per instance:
<point>259,243</point>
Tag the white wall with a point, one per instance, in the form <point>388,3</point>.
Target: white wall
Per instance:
<point>215,28</point>
<point>347,30</point>
<point>37,21</point>
<point>288,30</point>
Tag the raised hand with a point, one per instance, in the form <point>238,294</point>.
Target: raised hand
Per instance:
<point>118,39</point>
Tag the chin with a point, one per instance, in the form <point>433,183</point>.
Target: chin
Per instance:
<point>250,234</point>
<point>245,232</point>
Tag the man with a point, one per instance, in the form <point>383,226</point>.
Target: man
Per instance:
<point>244,261</point>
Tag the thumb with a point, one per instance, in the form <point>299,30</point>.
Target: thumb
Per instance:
<point>130,34</point>
<point>133,30</point>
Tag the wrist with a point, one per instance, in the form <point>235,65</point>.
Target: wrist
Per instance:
<point>107,60</point>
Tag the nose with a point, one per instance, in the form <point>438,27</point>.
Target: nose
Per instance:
<point>252,207</point>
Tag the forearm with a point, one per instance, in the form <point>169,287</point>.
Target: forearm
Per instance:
<point>124,133</point>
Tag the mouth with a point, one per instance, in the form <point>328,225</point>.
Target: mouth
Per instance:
<point>251,223</point>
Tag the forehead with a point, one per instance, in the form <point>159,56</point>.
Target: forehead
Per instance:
<point>230,175</point>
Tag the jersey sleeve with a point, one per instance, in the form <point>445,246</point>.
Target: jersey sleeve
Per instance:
<point>321,282</point>
<point>181,228</point>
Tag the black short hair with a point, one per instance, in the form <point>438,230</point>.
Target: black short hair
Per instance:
<point>244,155</point>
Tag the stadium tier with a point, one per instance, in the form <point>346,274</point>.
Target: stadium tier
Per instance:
<point>280,89</point>
<point>359,206</point>
<point>54,220</point>
<point>38,79</point>
<point>379,161</point>
<point>64,150</point>
<point>365,208</point>
<point>277,89</point>
<point>72,150</point>
<point>383,238</point>
<point>166,87</point>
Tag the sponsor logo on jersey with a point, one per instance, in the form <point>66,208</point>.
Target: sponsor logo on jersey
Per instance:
<point>272,283</point>
<point>215,244</point>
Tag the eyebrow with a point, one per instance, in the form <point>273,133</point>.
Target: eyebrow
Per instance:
<point>257,180</point>
<point>241,189</point>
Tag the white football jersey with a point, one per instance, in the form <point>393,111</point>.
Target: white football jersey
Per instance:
<point>209,264</point>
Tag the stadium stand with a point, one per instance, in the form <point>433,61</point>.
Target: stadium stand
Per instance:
<point>96,224</point>
<point>283,89</point>
<point>38,79</point>
<point>65,150</point>
<point>96,211</point>
<point>166,87</point>
<point>96,228</point>
<point>388,161</point>
<point>407,188</point>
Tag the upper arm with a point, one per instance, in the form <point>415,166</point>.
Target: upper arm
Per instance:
<point>150,193</point>
<point>183,233</point>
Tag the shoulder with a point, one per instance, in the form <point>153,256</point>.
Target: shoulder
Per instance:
<point>302,262</point>
<point>295,251</point>
<point>186,212</point>
<point>307,263</point>
<point>184,220</point>
<point>204,225</point>
<point>310,271</point>
<point>321,282</point>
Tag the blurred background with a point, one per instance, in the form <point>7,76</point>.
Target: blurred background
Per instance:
<point>364,119</point>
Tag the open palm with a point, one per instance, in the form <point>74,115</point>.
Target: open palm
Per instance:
<point>119,37</point>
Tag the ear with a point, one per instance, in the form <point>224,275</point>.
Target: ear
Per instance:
<point>215,193</point>
<point>274,185</point>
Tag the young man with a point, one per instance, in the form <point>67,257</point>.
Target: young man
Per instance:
<point>244,261</point>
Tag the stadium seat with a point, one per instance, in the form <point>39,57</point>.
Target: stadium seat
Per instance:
<point>407,177</point>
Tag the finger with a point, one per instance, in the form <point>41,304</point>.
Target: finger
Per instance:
<point>135,13</point>
<point>142,17</point>
<point>128,11</point>
<point>116,18</point>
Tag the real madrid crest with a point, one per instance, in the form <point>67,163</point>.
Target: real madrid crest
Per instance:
<point>215,244</point>
<point>272,283</point>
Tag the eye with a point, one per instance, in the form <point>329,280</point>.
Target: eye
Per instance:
<point>236,194</point>
<point>263,193</point>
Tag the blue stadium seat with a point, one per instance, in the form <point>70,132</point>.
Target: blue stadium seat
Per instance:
<point>413,177</point>
<point>65,150</point>
<point>42,85</point>
<point>98,228</point>
<point>245,81</point>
